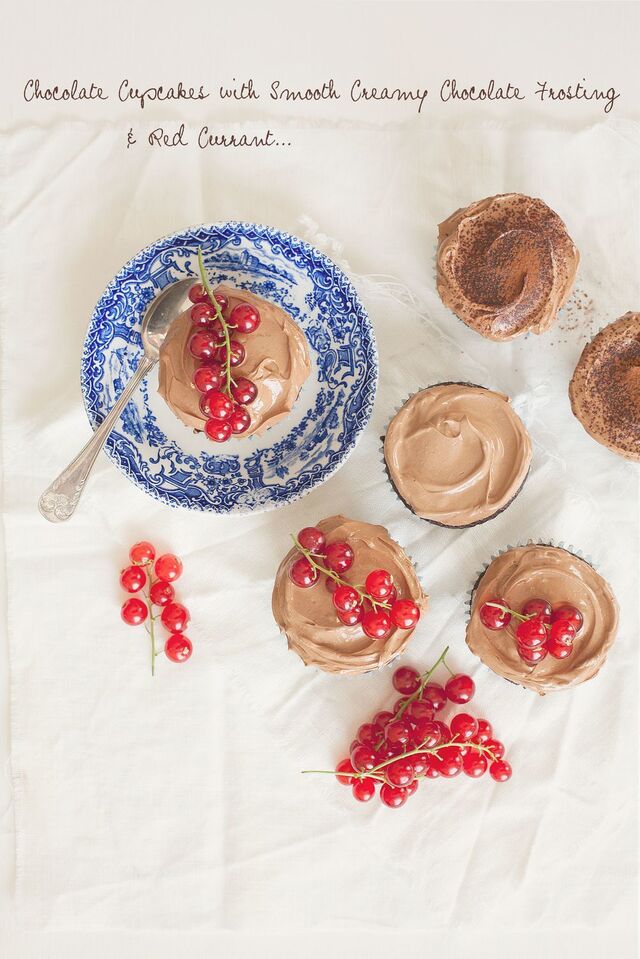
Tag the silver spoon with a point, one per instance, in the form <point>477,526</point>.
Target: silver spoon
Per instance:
<point>58,502</point>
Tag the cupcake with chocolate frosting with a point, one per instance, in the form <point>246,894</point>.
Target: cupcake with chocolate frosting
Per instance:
<point>559,596</point>
<point>605,388</point>
<point>347,597</point>
<point>457,454</point>
<point>274,359</point>
<point>505,265</point>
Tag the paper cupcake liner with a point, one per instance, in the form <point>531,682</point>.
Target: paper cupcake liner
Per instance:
<point>373,669</point>
<point>434,522</point>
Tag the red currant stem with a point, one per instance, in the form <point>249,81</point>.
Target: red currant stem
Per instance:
<point>505,609</point>
<point>424,679</point>
<point>150,628</point>
<point>362,594</point>
<point>220,317</point>
<point>432,750</point>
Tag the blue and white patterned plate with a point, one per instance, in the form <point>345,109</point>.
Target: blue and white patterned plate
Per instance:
<point>182,468</point>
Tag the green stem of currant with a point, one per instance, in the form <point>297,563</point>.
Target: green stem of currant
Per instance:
<point>362,594</point>
<point>431,750</point>
<point>225,329</point>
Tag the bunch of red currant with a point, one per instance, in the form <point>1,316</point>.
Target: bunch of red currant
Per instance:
<point>540,630</point>
<point>155,582</point>
<point>376,605</point>
<point>224,398</point>
<point>401,747</point>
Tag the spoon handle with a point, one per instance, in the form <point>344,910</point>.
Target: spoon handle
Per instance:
<point>58,502</point>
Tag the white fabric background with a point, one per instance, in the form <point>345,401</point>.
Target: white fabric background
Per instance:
<point>177,804</point>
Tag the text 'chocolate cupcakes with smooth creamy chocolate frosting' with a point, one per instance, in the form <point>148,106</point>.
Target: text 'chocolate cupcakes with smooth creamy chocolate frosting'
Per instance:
<point>605,388</point>
<point>457,454</point>
<point>542,617</point>
<point>505,265</point>
<point>347,596</point>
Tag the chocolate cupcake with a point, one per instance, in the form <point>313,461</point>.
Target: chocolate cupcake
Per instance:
<point>308,616</point>
<point>605,388</point>
<point>275,360</point>
<point>457,454</point>
<point>505,265</point>
<point>554,574</point>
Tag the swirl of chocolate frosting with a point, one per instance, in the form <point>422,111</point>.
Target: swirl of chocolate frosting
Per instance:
<point>277,361</point>
<point>308,617</point>
<point>559,576</point>
<point>505,265</point>
<point>457,454</point>
<point>605,388</point>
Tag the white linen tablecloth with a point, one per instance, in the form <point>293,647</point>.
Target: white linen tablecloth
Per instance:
<point>177,803</point>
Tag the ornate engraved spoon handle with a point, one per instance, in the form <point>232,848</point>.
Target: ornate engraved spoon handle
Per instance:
<point>58,502</point>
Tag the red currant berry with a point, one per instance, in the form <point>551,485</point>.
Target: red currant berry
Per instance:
<point>379,584</point>
<point>389,751</point>
<point>244,391</point>
<point>491,616</point>
<point>338,557</point>
<point>400,704</point>
<point>420,763</point>
<point>532,656</point>
<point>302,573</point>
<point>392,597</point>
<point>134,611</point>
<point>376,624</point>
<point>240,420</point>
<point>406,680</point>
<point>427,734</point>
<point>168,567</point>
<point>400,773</point>
<point>313,539</point>
<point>562,632</point>
<point>558,650</point>
<point>352,617</point>
<point>202,314</point>
<point>345,599</point>
<point>344,766</point>
<point>474,764</point>
<point>221,300</point>
<point>431,772</point>
<point>393,796</point>
<point>532,633</point>
<point>460,688</point>
<point>245,318</point>
<point>203,345</point>
<point>178,648</point>
<point>363,758</point>
<point>220,405</point>
<point>198,294</point>
<point>537,607</point>
<point>435,695</point>
<point>368,735</point>
<point>463,727</point>
<point>496,749</point>
<point>133,578</point>
<point>382,719</point>
<point>485,732</point>
<point>364,789</point>
<point>217,332</point>
<point>411,788</point>
<point>208,377</point>
<point>500,771</point>
<point>404,613</point>
<point>161,593</point>
<point>141,553</point>
<point>218,430</point>
<point>418,710</point>
<point>398,732</point>
<point>570,614</point>
<point>445,732</point>
<point>448,762</point>
<point>330,585</point>
<point>237,354</point>
<point>175,617</point>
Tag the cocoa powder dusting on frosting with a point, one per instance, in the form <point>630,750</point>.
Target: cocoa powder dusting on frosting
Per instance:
<point>505,265</point>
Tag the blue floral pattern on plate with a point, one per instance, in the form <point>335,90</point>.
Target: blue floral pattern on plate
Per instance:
<point>183,468</point>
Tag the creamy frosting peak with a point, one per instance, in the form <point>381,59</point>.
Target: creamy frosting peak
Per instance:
<point>605,388</point>
<point>505,265</point>
<point>457,454</point>
<point>277,361</point>
<point>308,617</point>
<point>555,574</point>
